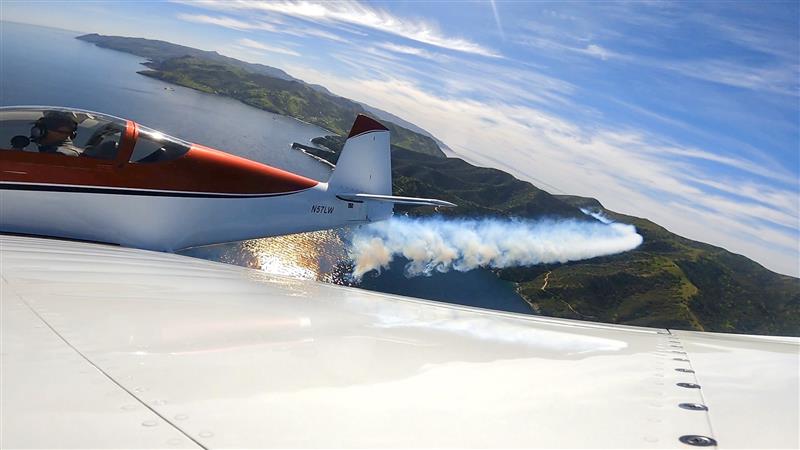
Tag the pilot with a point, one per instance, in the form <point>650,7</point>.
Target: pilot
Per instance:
<point>54,133</point>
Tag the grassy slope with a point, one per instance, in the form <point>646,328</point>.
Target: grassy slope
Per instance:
<point>288,97</point>
<point>257,85</point>
<point>156,50</point>
<point>669,281</point>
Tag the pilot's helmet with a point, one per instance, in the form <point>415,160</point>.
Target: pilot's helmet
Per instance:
<point>54,120</point>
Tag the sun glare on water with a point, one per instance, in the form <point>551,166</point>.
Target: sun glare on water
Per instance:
<point>313,256</point>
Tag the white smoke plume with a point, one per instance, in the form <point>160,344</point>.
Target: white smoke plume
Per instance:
<point>435,244</point>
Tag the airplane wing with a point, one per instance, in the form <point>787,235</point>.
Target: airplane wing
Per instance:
<point>109,347</point>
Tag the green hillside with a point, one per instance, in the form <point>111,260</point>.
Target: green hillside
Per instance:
<point>257,85</point>
<point>669,281</point>
<point>156,50</point>
<point>287,97</point>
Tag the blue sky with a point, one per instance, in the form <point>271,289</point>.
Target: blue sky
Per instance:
<point>686,113</point>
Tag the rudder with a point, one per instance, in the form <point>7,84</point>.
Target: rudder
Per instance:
<point>365,164</point>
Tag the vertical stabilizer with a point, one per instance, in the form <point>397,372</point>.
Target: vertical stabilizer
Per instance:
<point>365,163</point>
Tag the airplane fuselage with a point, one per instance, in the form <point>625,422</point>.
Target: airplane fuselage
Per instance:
<point>168,221</point>
<point>136,187</point>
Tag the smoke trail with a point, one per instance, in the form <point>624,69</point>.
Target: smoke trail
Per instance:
<point>434,244</point>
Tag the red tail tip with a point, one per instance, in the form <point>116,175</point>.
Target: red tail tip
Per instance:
<point>364,124</point>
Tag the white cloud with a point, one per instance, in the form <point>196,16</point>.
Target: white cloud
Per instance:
<point>558,48</point>
<point>780,80</point>
<point>751,33</point>
<point>227,22</point>
<point>597,51</point>
<point>626,31</point>
<point>315,32</point>
<point>249,43</point>
<point>406,50</point>
<point>356,14</point>
<point>272,26</point>
<point>458,77</point>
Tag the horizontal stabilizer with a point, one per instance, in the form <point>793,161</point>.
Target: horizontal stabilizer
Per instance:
<point>395,199</point>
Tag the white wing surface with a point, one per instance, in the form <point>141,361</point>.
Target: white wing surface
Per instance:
<point>110,347</point>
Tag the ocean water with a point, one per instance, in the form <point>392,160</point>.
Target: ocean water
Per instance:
<point>45,66</point>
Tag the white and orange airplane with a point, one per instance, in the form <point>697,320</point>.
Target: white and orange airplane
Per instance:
<point>119,346</point>
<point>85,175</point>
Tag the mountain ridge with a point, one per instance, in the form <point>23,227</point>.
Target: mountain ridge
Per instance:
<point>158,50</point>
<point>260,86</point>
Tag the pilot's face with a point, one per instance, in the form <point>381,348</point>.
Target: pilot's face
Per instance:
<point>56,135</point>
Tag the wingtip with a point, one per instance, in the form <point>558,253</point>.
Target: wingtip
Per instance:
<point>365,124</point>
